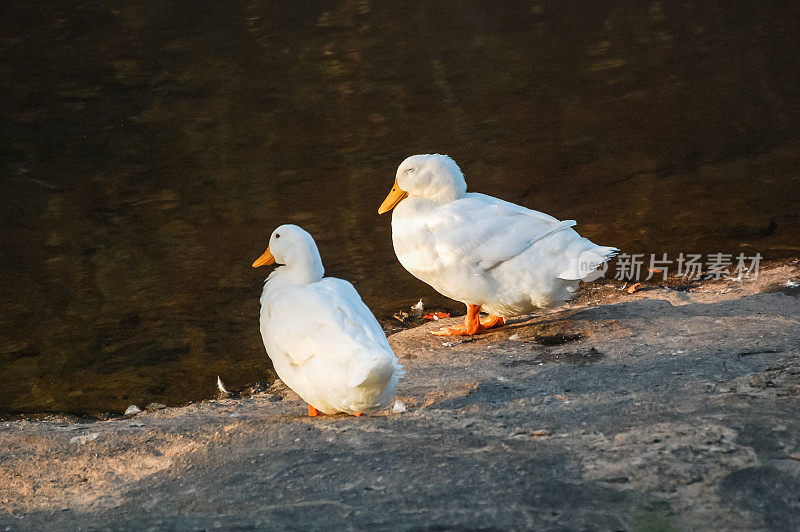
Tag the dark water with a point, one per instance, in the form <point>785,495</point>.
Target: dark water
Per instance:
<point>149,149</point>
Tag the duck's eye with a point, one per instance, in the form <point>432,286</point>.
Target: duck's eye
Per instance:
<point>277,235</point>
<point>408,171</point>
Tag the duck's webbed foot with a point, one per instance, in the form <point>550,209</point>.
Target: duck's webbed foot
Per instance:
<point>313,412</point>
<point>472,324</point>
<point>493,321</point>
<point>458,330</point>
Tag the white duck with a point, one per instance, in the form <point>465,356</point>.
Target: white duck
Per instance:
<point>324,342</point>
<point>485,252</point>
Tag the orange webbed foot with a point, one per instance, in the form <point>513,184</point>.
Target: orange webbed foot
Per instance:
<point>458,330</point>
<point>493,321</point>
<point>313,412</point>
<point>358,414</point>
<point>472,324</point>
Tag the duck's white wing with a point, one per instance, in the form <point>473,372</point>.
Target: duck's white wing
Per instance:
<point>326,318</point>
<point>483,232</point>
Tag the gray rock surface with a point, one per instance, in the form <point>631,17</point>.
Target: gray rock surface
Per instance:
<point>661,409</point>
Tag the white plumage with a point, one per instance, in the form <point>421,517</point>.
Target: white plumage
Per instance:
<point>324,342</point>
<point>481,250</point>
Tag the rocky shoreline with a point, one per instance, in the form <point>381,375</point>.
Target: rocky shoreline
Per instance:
<point>662,409</point>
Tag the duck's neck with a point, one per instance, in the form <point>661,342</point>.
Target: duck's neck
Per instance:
<point>303,270</point>
<point>414,206</point>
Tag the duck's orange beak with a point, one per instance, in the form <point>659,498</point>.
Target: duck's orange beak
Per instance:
<point>266,258</point>
<point>396,195</point>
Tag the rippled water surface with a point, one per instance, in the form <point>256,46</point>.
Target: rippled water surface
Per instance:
<point>149,149</point>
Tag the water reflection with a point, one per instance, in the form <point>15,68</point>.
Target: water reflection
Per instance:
<point>150,149</point>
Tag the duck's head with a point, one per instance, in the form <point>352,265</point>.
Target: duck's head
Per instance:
<point>295,248</point>
<point>435,177</point>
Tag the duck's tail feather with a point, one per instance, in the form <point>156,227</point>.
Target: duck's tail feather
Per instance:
<point>590,264</point>
<point>377,373</point>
